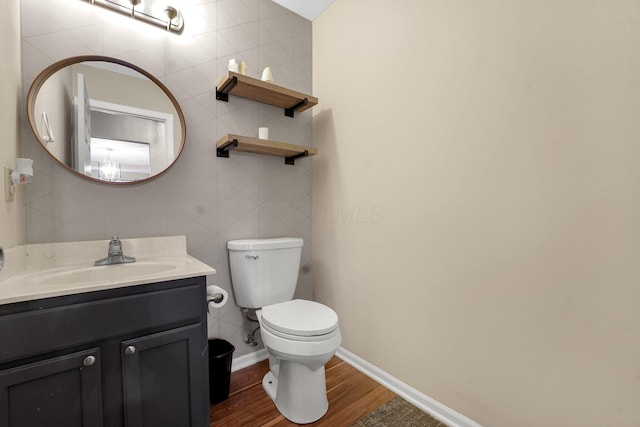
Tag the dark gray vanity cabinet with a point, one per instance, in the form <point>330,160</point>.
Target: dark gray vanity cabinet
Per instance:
<point>134,356</point>
<point>63,390</point>
<point>158,383</point>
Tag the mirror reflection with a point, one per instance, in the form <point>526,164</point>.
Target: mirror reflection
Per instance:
<point>106,119</point>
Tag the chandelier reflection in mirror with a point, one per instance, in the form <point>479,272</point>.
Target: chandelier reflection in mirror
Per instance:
<point>154,12</point>
<point>108,169</point>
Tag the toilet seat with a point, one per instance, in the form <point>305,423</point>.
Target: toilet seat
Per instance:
<point>300,320</point>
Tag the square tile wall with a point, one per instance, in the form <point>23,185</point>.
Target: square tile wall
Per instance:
<point>210,200</point>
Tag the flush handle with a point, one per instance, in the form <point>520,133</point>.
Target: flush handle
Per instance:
<point>252,256</point>
<point>130,350</point>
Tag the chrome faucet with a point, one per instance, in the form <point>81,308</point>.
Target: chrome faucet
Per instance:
<point>115,255</point>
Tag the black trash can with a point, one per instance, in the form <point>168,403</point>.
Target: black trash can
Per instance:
<point>220,356</point>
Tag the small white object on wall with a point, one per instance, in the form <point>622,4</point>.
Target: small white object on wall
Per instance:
<point>22,175</point>
<point>263,133</point>
<point>267,75</point>
<point>24,171</point>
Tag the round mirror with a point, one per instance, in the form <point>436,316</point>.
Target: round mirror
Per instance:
<point>105,119</point>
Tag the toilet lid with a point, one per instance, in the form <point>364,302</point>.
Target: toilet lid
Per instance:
<point>300,317</point>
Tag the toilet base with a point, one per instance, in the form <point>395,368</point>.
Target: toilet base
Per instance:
<point>299,393</point>
<point>270,385</point>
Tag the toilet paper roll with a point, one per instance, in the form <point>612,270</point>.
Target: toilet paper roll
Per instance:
<point>216,296</point>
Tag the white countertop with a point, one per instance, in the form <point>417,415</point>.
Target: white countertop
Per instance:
<point>56,269</point>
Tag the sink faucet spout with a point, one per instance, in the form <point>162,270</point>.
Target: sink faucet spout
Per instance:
<point>115,254</point>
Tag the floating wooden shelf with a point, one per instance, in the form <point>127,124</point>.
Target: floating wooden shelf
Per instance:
<point>265,92</point>
<point>290,152</point>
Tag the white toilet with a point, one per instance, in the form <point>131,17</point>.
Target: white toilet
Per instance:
<point>300,336</point>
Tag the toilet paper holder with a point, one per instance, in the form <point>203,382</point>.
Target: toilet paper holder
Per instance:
<point>216,297</point>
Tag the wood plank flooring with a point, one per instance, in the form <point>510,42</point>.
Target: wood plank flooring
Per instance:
<point>351,395</point>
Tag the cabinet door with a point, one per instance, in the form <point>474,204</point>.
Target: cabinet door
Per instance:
<point>62,391</point>
<point>164,378</point>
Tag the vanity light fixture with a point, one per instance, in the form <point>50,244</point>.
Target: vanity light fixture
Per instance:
<point>134,3</point>
<point>151,11</point>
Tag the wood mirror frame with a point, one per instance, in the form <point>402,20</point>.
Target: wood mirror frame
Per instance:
<point>176,129</point>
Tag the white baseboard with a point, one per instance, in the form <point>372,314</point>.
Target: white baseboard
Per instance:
<point>247,360</point>
<point>434,408</point>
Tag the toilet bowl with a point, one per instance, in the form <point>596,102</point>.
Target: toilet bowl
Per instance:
<point>300,336</point>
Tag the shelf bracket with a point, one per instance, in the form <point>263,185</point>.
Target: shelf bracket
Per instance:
<point>291,160</point>
<point>289,111</point>
<point>223,151</point>
<point>223,95</point>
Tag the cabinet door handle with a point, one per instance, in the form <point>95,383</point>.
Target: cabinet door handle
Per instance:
<point>89,360</point>
<point>130,350</point>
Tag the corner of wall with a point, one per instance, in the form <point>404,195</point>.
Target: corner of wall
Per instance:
<point>12,214</point>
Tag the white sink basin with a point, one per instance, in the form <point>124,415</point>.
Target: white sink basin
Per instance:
<point>105,273</point>
<point>48,270</point>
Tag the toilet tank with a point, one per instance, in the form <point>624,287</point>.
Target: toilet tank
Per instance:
<point>264,271</point>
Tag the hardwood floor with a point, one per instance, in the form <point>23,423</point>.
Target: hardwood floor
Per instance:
<point>351,396</point>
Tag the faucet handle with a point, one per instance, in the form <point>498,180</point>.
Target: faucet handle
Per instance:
<point>115,246</point>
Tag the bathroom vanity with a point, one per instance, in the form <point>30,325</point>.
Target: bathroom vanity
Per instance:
<point>111,352</point>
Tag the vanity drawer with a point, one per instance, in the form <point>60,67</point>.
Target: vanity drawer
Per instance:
<point>34,332</point>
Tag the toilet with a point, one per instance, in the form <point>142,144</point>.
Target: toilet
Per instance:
<point>300,336</point>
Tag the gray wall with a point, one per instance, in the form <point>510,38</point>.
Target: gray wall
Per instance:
<point>208,199</point>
